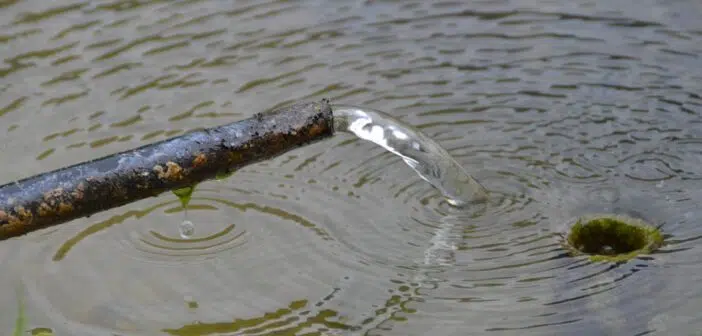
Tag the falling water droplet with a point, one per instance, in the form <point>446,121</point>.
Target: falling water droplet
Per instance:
<point>187,229</point>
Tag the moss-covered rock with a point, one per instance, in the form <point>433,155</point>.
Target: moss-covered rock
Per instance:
<point>612,238</point>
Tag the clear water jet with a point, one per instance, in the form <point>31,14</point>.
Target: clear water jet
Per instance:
<point>424,155</point>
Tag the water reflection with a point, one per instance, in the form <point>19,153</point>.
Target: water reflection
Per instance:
<point>558,109</point>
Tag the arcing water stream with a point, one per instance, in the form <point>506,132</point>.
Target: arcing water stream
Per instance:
<point>431,161</point>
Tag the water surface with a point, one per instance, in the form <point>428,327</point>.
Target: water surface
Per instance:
<point>559,108</point>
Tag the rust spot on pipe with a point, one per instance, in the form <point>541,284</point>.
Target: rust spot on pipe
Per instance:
<point>15,223</point>
<point>316,130</point>
<point>199,161</point>
<point>64,208</point>
<point>23,217</point>
<point>23,213</point>
<point>45,210</point>
<point>173,171</point>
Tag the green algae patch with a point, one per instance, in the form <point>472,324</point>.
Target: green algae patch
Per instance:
<point>184,195</point>
<point>612,238</point>
<point>41,332</point>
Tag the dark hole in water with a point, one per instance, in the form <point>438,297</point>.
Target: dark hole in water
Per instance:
<point>613,238</point>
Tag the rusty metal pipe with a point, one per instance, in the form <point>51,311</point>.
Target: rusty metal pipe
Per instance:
<point>86,188</point>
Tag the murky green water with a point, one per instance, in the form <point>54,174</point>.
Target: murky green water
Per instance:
<point>559,107</point>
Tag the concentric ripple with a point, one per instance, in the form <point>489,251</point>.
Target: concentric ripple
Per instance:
<point>160,239</point>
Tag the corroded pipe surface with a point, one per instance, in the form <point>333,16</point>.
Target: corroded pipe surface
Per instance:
<point>86,188</point>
